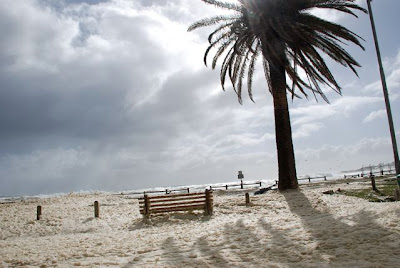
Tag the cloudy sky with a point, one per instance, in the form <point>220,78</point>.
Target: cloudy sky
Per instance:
<point>113,95</point>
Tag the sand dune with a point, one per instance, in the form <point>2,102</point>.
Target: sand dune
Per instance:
<point>293,229</point>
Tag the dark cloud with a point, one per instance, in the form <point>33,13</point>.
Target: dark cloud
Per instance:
<point>115,96</point>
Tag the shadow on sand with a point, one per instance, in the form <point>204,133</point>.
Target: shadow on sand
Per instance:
<point>314,239</point>
<point>349,241</point>
<point>174,218</point>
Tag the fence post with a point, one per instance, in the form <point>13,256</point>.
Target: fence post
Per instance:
<point>96,209</point>
<point>247,199</point>
<point>209,202</point>
<point>146,205</point>
<point>397,190</point>
<point>396,193</point>
<point>39,212</point>
<point>373,183</point>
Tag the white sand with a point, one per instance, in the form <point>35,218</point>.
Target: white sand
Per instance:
<point>295,229</point>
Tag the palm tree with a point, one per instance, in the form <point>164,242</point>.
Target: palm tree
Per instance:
<point>288,37</point>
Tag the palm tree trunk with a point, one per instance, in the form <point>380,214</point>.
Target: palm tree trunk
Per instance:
<point>283,130</point>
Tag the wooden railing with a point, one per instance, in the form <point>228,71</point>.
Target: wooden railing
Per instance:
<point>181,190</point>
<point>312,178</point>
<point>166,191</point>
<point>380,173</point>
<point>241,185</point>
<point>176,202</point>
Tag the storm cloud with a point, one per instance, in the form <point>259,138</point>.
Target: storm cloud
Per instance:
<point>114,95</point>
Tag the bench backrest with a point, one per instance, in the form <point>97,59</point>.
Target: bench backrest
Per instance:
<point>176,202</point>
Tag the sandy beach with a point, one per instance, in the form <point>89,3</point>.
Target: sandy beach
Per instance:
<point>293,229</point>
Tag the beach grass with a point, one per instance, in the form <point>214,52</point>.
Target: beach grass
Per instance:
<point>385,190</point>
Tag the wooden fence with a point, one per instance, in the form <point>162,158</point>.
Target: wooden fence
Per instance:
<point>379,173</point>
<point>312,178</point>
<point>166,191</point>
<point>241,185</point>
<point>176,202</point>
<point>187,190</point>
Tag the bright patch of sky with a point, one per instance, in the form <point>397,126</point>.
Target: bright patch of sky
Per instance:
<point>114,95</point>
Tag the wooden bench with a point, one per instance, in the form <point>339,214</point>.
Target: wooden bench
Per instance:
<point>176,202</point>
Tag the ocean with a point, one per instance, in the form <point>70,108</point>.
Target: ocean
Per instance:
<point>248,184</point>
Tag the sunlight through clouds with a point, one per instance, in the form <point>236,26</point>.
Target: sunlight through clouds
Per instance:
<point>380,114</point>
<point>115,95</point>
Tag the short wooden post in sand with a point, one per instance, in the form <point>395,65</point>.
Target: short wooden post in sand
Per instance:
<point>247,199</point>
<point>209,206</point>
<point>39,212</point>
<point>396,194</point>
<point>96,209</point>
<point>146,205</point>
<point>373,183</point>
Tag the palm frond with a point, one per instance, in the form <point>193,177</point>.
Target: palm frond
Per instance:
<point>224,5</point>
<point>267,74</point>
<point>251,69</point>
<point>225,65</point>
<point>210,21</point>
<point>255,28</point>
<point>345,6</point>
<point>219,29</point>
<point>220,51</point>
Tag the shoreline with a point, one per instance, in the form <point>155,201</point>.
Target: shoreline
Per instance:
<point>193,188</point>
<point>302,181</point>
